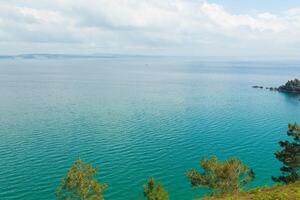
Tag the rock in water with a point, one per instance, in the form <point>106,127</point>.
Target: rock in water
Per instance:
<point>256,86</point>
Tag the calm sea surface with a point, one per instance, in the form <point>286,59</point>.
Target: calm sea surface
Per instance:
<point>136,118</point>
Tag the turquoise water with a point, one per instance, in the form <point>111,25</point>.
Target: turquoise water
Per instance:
<point>136,118</point>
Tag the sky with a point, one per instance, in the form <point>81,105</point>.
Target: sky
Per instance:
<point>151,27</point>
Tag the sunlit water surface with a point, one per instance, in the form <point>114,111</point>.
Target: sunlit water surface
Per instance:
<point>136,118</point>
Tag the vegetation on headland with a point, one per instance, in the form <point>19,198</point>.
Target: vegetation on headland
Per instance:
<point>225,179</point>
<point>292,86</point>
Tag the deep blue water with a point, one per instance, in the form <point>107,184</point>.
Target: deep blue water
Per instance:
<point>136,118</point>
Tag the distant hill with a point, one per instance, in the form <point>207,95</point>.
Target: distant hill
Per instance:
<point>65,56</point>
<point>100,55</point>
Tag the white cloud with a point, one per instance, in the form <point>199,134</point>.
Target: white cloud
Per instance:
<point>260,23</point>
<point>135,26</point>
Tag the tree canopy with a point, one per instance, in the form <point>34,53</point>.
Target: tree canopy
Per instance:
<point>155,192</point>
<point>220,177</point>
<point>81,184</point>
<point>289,156</point>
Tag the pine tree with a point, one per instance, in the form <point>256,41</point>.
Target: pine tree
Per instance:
<point>220,177</point>
<point>80,184</point>
<point>289,156</point>
<point>155,192</point>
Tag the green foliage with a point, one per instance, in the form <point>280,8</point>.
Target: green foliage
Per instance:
<point>221,177</point>
<point>155,192</point>
<point>277,192</point>
<point>289,156</point>
<point>292,86</point>
<point>80,184</point>
<point>271,196</point>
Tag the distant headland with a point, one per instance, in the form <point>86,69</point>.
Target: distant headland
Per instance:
<point>292,87</point>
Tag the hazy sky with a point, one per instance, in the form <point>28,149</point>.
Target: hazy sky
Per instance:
<point>156,27</point>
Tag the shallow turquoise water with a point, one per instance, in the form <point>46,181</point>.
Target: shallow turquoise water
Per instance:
<point>136,118</point>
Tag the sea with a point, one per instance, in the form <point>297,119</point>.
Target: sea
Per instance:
<point>139,117</point>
